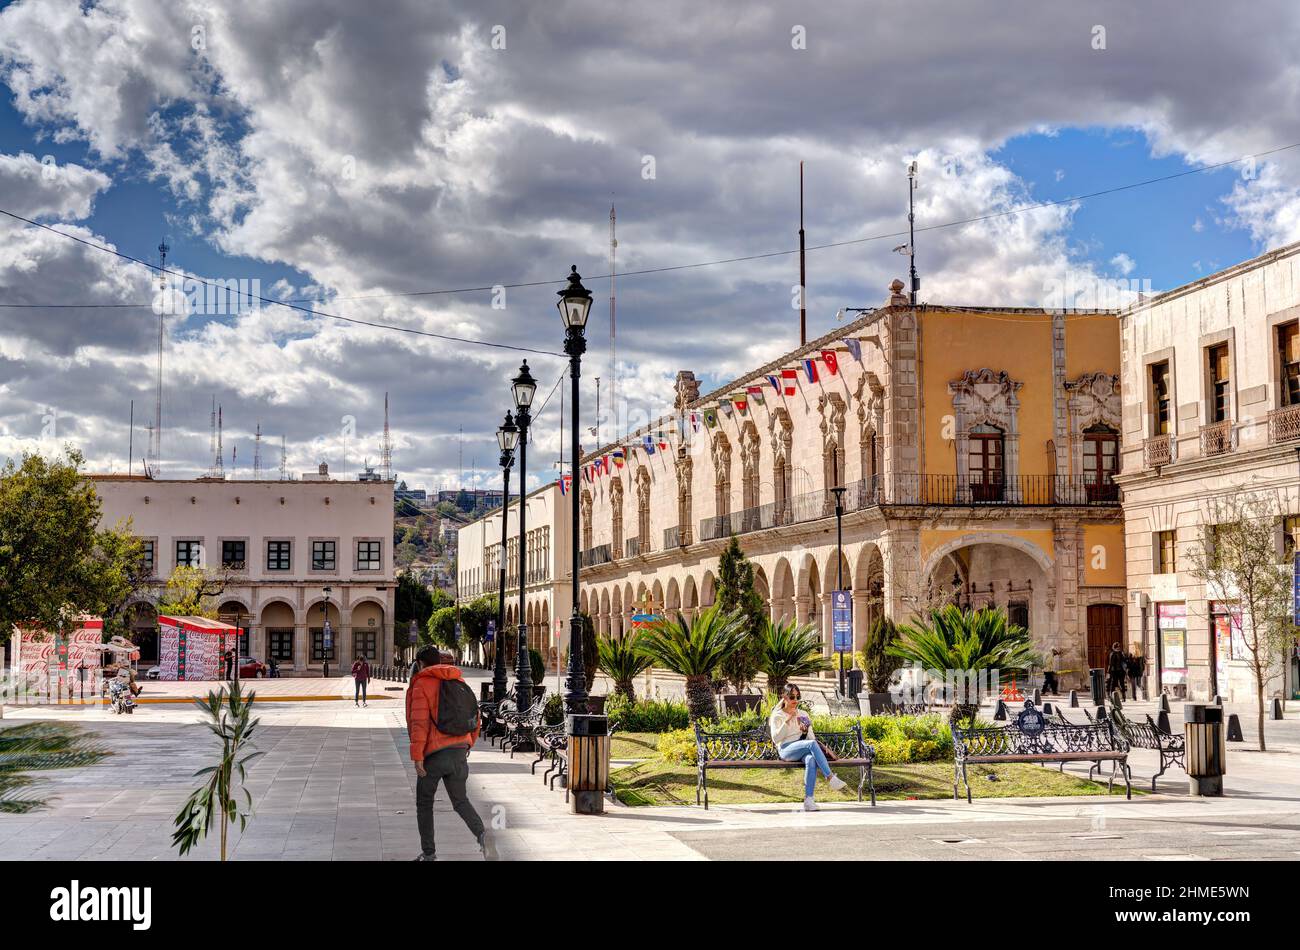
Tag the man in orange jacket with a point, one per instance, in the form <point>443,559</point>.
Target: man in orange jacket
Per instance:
<point>439,757</point>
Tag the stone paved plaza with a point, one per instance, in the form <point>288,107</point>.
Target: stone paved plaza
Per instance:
<point>335,783</point>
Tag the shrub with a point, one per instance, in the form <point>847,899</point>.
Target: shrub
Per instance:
<point>677,746</point>
<point>538,665</point>
<point>646,715</point>
<point>907,738</point>
<point>553,711</point>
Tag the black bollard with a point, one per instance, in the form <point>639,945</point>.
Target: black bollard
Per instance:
<point>1000,713</point>
<point>1277,708</point>
<point>1101,713</point>
<point>1038,697</point>
<point>1217,701</point>
<point>1234,729</point>
<point>1164,702</point>
<point>1047,709</point>
<point>1074,699</point>
<point>1162,721</point>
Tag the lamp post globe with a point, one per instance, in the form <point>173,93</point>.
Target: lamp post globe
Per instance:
<point>575,306</point>
<point>523,388</point>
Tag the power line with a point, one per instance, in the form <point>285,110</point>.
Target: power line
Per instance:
<point>993,215</point>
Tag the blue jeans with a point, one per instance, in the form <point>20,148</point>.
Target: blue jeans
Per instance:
<point>814,761</point>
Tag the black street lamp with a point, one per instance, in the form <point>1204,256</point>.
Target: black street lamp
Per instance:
<point>524,388</point>
<point>574,306</point>
<point>838,491</point>
<point>326,635</point>
<point>507,438</point>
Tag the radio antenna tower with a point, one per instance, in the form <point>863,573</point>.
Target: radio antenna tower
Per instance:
<point>257,452</point>
<point>221,465</point>
<point>162,311</point>
<point>283,461</point>
<point>212,439</point>
<point>388,445</point>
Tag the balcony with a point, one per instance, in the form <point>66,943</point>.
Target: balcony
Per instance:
<point>633,547</point>
<point>678,536</point>
<point>1216,438</point>
<point>1158,451</point>
<point>601,554</point>
<point>1284,424</point>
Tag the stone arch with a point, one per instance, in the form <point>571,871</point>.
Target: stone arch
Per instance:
<point>762,587</point>
<point>277,624</point>
<point>617,619</point>
<point>708,590</point>
<point>782,590</point>
<point>657,596</point>
<point>360,615</point>
<point>831,576</point>
<point>690,596</point>
<point>672,597</point>
<point>972,538</point>
<point>603,621</point>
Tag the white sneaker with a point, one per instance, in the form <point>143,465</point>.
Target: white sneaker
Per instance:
<point>810,805</point>
<point>836,783</point>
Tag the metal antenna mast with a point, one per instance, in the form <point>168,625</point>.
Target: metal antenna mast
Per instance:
<point>162,312</point>
<point>212,438</point>
<point>257,452</point>
<point>803,277</point>
<point>388,445</point>
<point>220,471</point>
<point>283,461</point>
<point>613,350</point>
<point>911,229</point>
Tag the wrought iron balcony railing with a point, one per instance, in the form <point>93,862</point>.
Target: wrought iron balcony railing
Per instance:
<point>1284,424</point>
<point>1216,438</point>
<point>633,546</point>
<point>600,554</point>
<point>1158,451</point>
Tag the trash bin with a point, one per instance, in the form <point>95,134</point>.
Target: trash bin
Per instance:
<point>855,682</point>
<point>1207,750</point>
<point>588,754</point>
<point>1097,681</point>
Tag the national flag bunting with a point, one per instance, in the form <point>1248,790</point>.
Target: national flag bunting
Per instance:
<point>619,456</point>
<point>663,443</point>
<point>725,407</point>
<point>810,367</point>
<point>695,422</point>
<point>649,445</point>
<point>791,379</point>
<point>756,393</point>
<point>776,383</point>
<point>711,418</point>
<point>566,481</point>
<point>832,362</point>
<point>741,404</point>
<point>855,347</point>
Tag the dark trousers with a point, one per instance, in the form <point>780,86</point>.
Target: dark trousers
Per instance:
<point>450,766</point>
<point>360,691</point>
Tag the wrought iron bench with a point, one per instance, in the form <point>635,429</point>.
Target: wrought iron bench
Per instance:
<point>754,750</point>
<point>1034,738</point>
<point>1148,735</point>
<point>520,726</point>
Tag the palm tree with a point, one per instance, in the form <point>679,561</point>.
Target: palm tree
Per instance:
<point>231,723</point>
<point>622,661</point>
<point>953,640</point>
<point>38,747</point>
<point>695,649</point>
<point>787,649</point>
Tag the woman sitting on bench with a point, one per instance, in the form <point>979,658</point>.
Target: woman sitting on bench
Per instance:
<point>795,741</point>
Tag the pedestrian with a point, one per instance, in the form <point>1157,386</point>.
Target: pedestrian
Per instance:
<point>1116,670</point>
<point>412,670</point>
<point>274,666</point>
<point>443,722</point>
<point>360,677</point>
<point>229,657</point>
<point>792,734</point>
<point>1137,667</point>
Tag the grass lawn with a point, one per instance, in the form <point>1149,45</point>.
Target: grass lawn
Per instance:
<point>660,783</point>
<point>634,745</point>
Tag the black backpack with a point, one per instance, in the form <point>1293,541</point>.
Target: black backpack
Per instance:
<point>457,708</point>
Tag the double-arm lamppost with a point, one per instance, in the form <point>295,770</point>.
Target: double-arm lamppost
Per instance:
<point>574,305</point>
<point>838,491</point>
<point>523,387</point>
<point>507,438</point>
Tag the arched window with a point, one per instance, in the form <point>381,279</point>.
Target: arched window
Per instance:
<point>616,509</point>
<point>586,521</point>
<point>721,476</point>
<point>643,510</point>
<point>749,451</point>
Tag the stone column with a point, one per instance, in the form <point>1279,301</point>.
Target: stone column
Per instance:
<point>301,646</point>
<point>861,618</point>
<point>828,626</point>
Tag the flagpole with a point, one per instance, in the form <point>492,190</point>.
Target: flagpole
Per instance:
<point>803,277</point>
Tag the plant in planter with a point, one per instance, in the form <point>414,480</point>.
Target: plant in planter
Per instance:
<point>788,649</point>
<point>623,661</point>
<point>695,649</point>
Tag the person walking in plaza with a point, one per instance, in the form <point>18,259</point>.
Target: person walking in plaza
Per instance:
<point>443,722</point>
<point>360,677</point>
<point>1116,670</point>
<point>229,658</point>
<point>1136,665</point>
<point>792,734</point>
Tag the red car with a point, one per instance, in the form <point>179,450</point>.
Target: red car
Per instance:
<point>250,668</point>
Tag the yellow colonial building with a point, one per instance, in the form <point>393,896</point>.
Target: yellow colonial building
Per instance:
<point>976,449</point>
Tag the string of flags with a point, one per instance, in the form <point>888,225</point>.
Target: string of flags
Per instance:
<point>784,384</point>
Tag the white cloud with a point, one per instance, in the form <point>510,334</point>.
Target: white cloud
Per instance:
<point>1123,263</point>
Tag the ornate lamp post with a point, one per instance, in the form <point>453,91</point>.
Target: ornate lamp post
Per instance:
<point>327,635</point>
<point>507,438</point>
<point>523,387</point>
<point>574,306</point>
<point>838,491</point>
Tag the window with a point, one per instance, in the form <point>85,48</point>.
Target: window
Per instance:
<point>368,556</point>
<point>365,644</point>
<point>1220,402</point>
<point>189,553</point>
<point>1100,461</point>
<point>985,456</point>
<point>232,554</point>
<point>318,652</point>
<point>1160,407</point>
<point>147,550</point>
<point>1288,349</point>
<point>280,643</point>
<point>1166,555</point>
<point>278,555</point>
<point>1018,614</point>
<point>323,555</point>
<point>1290,537</point>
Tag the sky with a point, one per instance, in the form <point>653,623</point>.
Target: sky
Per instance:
<point>352,157</point>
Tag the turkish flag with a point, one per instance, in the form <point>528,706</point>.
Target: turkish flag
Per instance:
<point>832,364</point>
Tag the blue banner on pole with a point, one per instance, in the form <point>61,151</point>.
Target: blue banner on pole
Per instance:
<point>491,633</point>
<point>1295,588</point>
<point>842,620</point>
<point>327,636</point>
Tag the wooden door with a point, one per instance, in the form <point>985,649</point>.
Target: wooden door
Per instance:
<point>1105,626</point>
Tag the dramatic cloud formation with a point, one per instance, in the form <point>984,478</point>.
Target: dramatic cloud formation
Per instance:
<point>366,151</point>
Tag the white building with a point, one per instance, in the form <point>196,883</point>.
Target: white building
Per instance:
<point>284,543</point>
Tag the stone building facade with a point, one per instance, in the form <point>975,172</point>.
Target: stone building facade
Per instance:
<point>975,447</point>
<point>282,543</point>
<point>1211,383</point>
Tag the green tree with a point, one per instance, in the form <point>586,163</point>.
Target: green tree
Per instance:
<point>953,641</point>
<point>38,747</point>
<point>192,592</point>
<point>736,595</point>
<point>878,664</point>
<point>56,562</point>
<point>695,649</point>
<point>623,660</point>
<point>411,601</point>
<point>219,798</point>
<point>1237,561</point>
<point>789,649</point>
